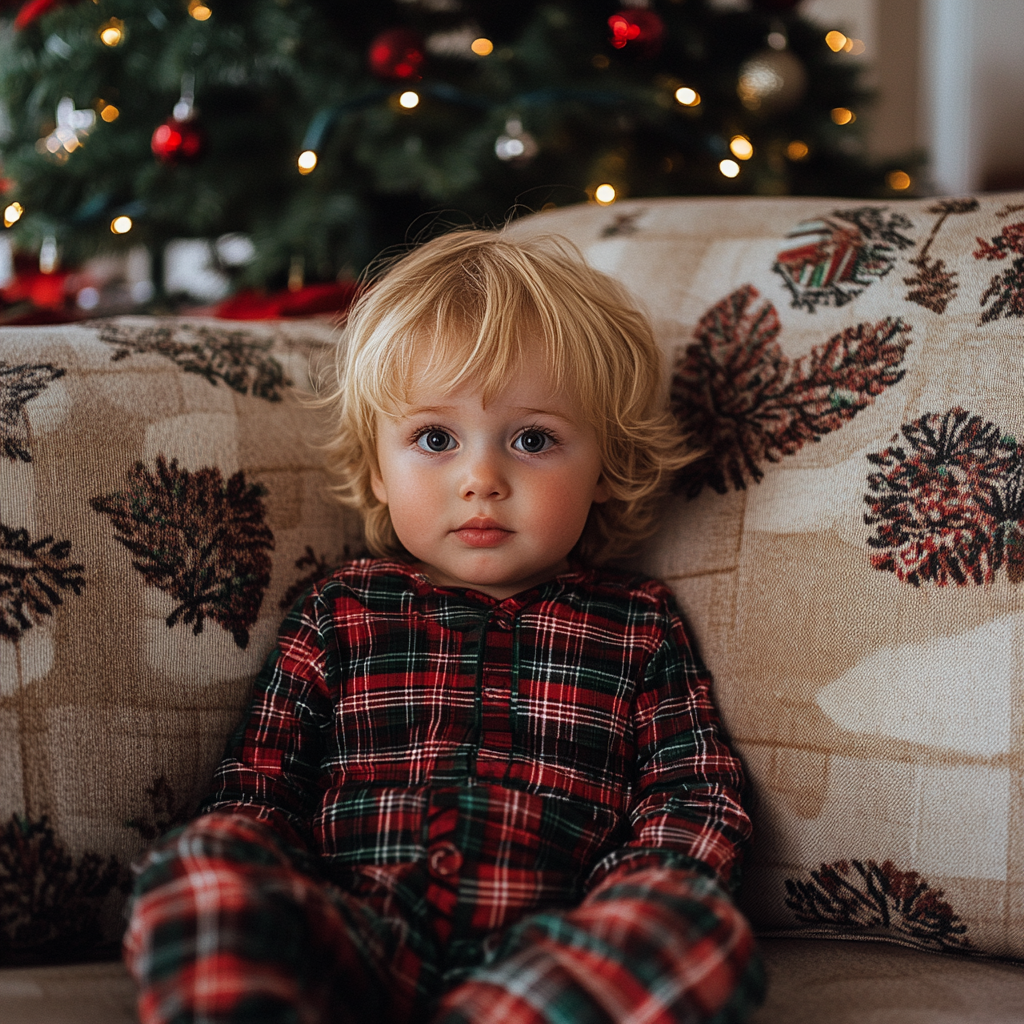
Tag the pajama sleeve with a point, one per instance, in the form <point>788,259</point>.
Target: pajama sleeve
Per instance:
<point>685,808</point>
<point>272,769</point>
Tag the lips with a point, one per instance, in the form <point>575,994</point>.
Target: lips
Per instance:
<point>482,533</point>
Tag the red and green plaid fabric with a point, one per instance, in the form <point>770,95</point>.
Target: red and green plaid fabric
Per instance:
<point>523,803</point>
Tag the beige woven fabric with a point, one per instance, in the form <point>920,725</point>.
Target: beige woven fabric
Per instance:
<point>850,555</point>
<point>161,501</point>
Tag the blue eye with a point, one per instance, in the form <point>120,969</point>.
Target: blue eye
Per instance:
<point>533,441</point>
<point>435,440</point>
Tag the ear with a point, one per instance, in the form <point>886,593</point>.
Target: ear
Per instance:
<point>601,492</point>
<point>377,486</point>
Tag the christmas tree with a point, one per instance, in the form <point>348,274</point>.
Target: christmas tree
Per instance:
<point>325,131</point>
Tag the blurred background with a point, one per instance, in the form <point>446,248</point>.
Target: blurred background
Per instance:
<point>249,158</point>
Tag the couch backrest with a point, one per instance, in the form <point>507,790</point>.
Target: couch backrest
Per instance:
<point>850,554</point>
<point>161,503</point>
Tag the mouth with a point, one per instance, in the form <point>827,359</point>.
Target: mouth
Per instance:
<point>482,533</point>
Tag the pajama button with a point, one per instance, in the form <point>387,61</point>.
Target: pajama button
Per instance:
<point>444,859</point>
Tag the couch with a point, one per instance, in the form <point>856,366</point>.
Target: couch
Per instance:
<point>849,555</point>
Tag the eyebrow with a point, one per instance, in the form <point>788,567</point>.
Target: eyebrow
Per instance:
<point>421,410</point>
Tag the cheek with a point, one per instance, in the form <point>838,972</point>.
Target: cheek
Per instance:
<point>562,504</point>
<point>411,498</point>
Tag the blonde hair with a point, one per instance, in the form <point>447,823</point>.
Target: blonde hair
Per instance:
<point>477,304</point>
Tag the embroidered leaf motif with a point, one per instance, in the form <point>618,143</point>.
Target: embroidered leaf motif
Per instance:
<point>737,392</point>
<point>947,502</point>
<point>18,385</point>
<point>838,256</point>
<point>623,224</point>
<point>50,902</point>
<point>318,567</point>
<point>236,357</point>
<point>867,896</point>
<point>32,576</point>
<point>1007,288</point>
<point>164,811</point>
<point>202,541</point>
<point>933,285</point>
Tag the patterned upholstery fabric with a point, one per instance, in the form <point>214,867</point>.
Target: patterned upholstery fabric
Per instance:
<point>850,552</point>
<point>161,503</point>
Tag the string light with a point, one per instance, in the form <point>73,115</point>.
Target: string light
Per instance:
<point>482,47</point>
<point>687,97</point>
<point>605,194</point>
<point>740,147</point>
<point>307,161</point>
<point>199,10</point>
<point>899,181</point>
<point>797,150</point>
<point>409,99</point>
<point>108,112</point>
<point>72,127</point>
<point>843,115</point>
<point>13,214</point>
<point>835,41</point>
<point>112,32</point>
<point>729,168</point>
<point>121,225</point>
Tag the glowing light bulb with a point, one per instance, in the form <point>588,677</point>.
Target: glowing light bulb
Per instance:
<point>481,47</point>
<point>835,41</point>
<point>898,180</point>
<point>110,113</point>
<point>121,225</point>
<point>687,97</point>
<point>409,99</point>
<point>199,10</point>
<point>797,150</point>
<point>112,32</point>
<point>729,168</point>
<point>605,194</point>
<point>13,214</point>
<point>307,161</point>
<point>843,115</point>
<point>740,147</point>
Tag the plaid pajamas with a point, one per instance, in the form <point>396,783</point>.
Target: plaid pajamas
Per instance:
<point>446,807</point>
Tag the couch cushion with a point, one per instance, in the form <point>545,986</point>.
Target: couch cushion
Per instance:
<point>162,502</point>
<point>879,983</point>
<point>808,983</point>
<point>851,551</point>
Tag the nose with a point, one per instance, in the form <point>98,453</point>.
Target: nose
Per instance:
<point>484,477</point>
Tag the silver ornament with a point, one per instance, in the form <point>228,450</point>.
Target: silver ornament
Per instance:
<point>771,82</point>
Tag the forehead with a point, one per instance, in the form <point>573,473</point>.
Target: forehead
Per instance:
<point>526,383</point>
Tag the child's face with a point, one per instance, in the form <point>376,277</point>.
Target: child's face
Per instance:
<point>491,498</point>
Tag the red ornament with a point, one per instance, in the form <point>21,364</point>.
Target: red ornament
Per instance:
<point>397,53</point>
<point>178,142</point>
<point>640,29</point>
<point>32,10</point>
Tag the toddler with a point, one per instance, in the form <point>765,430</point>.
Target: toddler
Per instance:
<point>481,778</point>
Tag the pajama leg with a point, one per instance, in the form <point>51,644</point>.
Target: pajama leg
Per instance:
<point>657,946</point>
<point>225,930</point>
